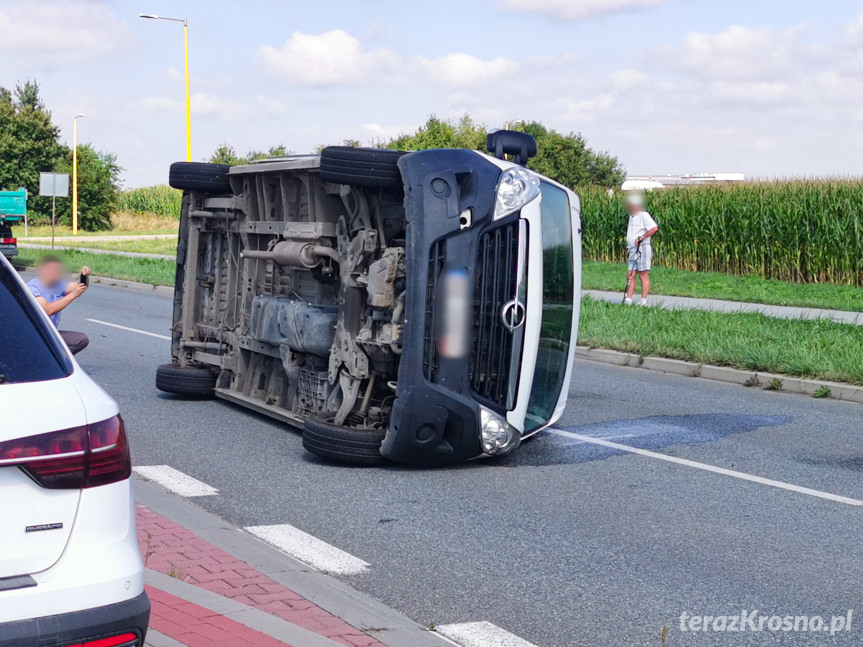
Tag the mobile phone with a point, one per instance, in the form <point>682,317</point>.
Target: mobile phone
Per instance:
<point>85,279</point>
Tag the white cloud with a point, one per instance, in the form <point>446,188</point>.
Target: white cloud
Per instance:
<point>54,33</point>
<point>466,71</point>
<point>739,53</point>
<point>332,58</point>
<point>158,104</point>
<point>335,58</point>
<point>753,91</point>
<point>205,104</point>
<point>626,79</point>
<point>578,9</point>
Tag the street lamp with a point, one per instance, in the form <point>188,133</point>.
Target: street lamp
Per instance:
<point>185,22</point>
<point>75,174</point>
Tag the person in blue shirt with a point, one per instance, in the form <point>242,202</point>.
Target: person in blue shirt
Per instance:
<point>54,293</point>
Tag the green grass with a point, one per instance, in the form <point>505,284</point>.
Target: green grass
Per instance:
<point>812,349</point>
<point>144,270</point>
<point>713,285</point>
<point>144,246</point>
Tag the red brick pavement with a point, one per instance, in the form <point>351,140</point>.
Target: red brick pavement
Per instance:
<point>172,549</point>
<point>199,627</point>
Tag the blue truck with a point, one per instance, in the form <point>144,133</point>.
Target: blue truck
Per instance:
<point>13,209</point>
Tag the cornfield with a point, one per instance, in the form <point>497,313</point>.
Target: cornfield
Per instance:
<point>802,231</point>
<point>159,200</point>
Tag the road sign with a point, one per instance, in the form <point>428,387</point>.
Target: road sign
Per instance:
<point>13,203</point>
<point>54,185</point>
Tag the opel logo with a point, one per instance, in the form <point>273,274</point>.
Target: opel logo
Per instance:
<point>513,315</point>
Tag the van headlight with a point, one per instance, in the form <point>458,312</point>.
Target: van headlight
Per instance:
<point>498,437</point>
<point>517,186</point>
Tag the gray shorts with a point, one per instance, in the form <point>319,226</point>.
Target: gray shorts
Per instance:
<point>644,262</point>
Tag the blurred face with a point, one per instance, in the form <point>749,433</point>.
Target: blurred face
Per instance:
<point>50,273</point>
<point>633,208</point>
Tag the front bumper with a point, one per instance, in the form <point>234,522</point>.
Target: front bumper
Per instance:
<point>437,421</point>
<point>78,626</point>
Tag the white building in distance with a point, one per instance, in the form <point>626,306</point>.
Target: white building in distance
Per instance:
<point>652,182</point>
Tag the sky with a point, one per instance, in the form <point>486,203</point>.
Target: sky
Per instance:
<point>767,88</point>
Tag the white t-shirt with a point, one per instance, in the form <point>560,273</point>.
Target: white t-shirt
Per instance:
<point>639,224</point>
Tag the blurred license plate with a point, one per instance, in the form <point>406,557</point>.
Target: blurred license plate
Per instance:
<point>455,303</point>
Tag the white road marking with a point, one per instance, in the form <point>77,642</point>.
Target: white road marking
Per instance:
<point>710,468</point>
<point>481,634</point>
<point>175,481</point>
<point>126,328</point>
<point>309,549</point>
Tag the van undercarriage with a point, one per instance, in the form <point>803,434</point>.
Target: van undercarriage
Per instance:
<point>357,295</point>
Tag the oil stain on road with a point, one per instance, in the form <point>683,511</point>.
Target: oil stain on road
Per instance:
<point>652,433</point>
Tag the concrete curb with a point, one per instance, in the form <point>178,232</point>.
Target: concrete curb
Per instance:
<point>357,609</point>
<point>266,623</point>
<point>767,381</point>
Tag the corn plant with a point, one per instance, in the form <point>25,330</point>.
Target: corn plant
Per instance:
<point>158,200</point>
<point>803,231</point>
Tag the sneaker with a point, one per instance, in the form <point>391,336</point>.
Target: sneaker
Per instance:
<point>627,302</point>
<point>643,302</point>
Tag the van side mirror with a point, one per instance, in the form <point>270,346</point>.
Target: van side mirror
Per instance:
<point>521,146</point>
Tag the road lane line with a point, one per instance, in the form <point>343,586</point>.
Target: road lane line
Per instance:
<point>175,481</point>
<point>710,468</point>
<point>309,549</point>
<point>481,634</point>
<point>126,328</point>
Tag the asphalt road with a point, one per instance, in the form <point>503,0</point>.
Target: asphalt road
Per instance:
<point>565,543</point>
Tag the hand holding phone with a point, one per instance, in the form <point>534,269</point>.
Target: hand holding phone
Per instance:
<point>85,279</point>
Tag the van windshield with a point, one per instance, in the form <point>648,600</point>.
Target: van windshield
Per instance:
<point>557,307</point>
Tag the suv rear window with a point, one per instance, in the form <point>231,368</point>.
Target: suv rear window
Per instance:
<point>28,351</point>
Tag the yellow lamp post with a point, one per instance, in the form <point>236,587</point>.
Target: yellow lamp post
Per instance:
<point>75,175</point>
<point>188,97</point>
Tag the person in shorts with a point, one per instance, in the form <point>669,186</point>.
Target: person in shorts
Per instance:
<point>640,230</point>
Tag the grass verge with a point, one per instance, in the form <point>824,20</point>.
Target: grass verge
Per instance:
<point>143,270</point>
<point>812,349</point>
<point>122,224</point>
<point>142,246</point>
<point>713,285</point>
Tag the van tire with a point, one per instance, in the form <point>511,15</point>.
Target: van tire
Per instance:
<point>184,380</point>
<point>373,168</point>
<point>350,445</point>
<point>200,176</point>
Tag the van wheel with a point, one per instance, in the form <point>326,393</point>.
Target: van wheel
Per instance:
<point>184,380</point>
<point>351,445</point>
<point>200,176</point>
<point>373,168</point>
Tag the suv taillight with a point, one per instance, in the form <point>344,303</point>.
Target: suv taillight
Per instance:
<point>81,457</point>
<point>123,640</point>
<point>8,241</point>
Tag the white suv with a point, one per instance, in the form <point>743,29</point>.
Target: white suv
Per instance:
<point>71,573</point>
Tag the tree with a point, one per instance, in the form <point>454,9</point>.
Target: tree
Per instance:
<point>227,154</point>
<point>30,144</point>
<point>98,185</point>
<point>439,133</point>
<point>565,158</point>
